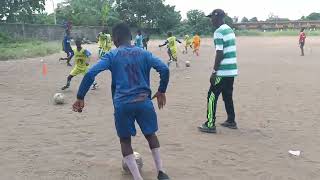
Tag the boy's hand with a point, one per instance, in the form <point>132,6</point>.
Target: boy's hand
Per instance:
<point>161,98</point>
<point>213,78</point>
<point>78,106</point>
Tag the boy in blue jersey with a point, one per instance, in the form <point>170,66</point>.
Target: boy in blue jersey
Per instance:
<point>66,46</point>
<point>130,68</point>
<point>138,41</point>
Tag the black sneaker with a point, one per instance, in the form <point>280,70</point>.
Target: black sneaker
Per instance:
<point>68,64</point>
<point>204,128</point>
<point>94,86</point>
<point>163,176</point>
<point>231,125</point>
<point>65,87</point>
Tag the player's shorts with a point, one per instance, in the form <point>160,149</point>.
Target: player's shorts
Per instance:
<point>69,53</point>
<point>301,44</point>
<point>76,71</point>
<point>196,46</point>
<point>126,114</point>
<point>173,54</point>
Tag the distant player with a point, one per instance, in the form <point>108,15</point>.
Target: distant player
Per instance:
<point>138,41</point>
<point>66,46</point>
<point>81,63</point>
<point>105,42</point>
<point>224,71</point>
<point>188,43</point>
<point>196,44</point>
<point>302,40</point>
<point>145,41</point>
<point>171,43</point>
<point>130,69</point>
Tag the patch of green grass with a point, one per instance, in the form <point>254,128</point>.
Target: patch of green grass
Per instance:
<point>27,49</point>
<point>275,33</point>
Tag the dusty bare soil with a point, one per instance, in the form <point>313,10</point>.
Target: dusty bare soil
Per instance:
<point>277,100</point>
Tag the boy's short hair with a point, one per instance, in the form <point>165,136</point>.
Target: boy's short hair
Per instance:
<point>170,33</point>
<point>122,32</point>
<point>78,41</point>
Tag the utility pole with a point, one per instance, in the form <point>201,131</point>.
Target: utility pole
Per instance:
<point>54,12</point>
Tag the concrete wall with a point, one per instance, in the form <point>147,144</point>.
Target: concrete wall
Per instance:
<point>279,25</point>
<point>48,32</point>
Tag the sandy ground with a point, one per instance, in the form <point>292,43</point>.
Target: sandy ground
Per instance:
<point>277,104</point>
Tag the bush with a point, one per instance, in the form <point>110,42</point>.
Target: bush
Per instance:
<point>4,38</point>
<point>27,49</point>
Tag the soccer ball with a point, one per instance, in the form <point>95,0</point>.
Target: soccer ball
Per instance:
<point>188,64</point>
<point>58,98</point>
<point>139,161</point>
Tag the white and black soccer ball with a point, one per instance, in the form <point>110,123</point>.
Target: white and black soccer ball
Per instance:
<point>139,161</point>
<point>188,64</point>
<point>59,98</point>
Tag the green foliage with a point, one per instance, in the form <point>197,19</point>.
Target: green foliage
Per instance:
<point>254,19</point>
<point>168,19</point>
<point>27,49</point>
<point>313,16</point>
<point>4,38</point>
<point>84,12</point>
<point>20,10</point>
<point>148,14</point>
<point>244,20</point>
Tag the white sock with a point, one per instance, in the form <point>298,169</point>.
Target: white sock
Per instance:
<point>157,159</point>
<point>133,167</point>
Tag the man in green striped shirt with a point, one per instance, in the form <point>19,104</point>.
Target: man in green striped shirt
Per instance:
<point>224,72</point>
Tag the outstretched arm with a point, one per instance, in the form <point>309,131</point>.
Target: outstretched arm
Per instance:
<point>165,43</point>
<point>87,81</point>
<point>178,41</point>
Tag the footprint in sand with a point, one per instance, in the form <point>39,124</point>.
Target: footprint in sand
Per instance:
<point>87,155</point>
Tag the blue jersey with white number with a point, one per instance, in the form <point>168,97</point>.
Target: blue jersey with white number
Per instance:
<point>130,68</point>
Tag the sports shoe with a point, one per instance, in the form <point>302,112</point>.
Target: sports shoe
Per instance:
<point>169,62</point>
<point>68,64</point>
<point>231,125</point>
<point>94,86</point>
<point>163,176</point>
<point>65,87</point>
<point>204,128</point>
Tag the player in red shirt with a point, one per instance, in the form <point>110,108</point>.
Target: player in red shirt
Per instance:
<point>302,40</point>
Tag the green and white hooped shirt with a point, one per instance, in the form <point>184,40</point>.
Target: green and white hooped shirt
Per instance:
<point>225,40</point>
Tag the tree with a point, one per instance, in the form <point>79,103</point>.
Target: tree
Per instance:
<point>85,12</point>
<point>198,22</point>
<point>244,20</point>
<point>254,19</point>
<point>148,14</point>
<point>20,10</point>
<point>313,16</point>
<point>168,19</point>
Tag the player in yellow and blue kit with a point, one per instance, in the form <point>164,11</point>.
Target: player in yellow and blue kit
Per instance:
<point>171,43</point>
<point>130,68</point>
<point>188,43</point>
<point>81,63</point>
<point>105,42</point>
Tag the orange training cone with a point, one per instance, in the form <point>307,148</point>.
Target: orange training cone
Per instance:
<point>44,69</point>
